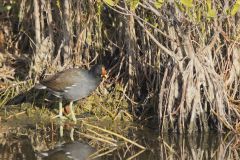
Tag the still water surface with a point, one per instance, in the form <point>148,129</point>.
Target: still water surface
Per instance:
<point>36,144</point>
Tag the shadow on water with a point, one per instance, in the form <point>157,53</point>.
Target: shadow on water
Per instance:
<point>38,144</point>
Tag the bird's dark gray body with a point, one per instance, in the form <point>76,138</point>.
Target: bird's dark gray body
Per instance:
<point>72,84</point>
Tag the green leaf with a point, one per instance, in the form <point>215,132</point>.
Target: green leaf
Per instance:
<point>179,6</point>
<point>158,4</point>
<point>58,4</point>
<point>109,2</point>
<point>209,4</point>
<point>198,15</point>
<point>5,8</point>
<point>212,13</point>
<point>99,7</point>
<point>187,3</point>
<point>8,7</point>
<point>133,4</point>
<point>235,8</point>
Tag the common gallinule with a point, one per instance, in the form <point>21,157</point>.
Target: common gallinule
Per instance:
<point>73,84</point>
<point>73,150</point>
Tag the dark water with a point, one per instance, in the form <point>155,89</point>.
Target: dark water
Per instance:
<point>47,144</point>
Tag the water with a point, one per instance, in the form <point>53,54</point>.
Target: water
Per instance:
<point>37,142</point>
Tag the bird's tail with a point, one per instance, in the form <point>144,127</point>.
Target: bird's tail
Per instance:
<point>40,86</point>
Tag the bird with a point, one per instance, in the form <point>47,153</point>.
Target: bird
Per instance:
<point>70,150</point>
<point>73,84</point>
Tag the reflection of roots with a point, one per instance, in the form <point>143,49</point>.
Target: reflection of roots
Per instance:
<point>198,146</point>
<point>16,148</point>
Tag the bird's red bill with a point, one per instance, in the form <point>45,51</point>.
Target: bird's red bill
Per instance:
<point>104,72</point>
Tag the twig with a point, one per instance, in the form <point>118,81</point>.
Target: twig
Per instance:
<point>97,138</point>
<point>115,134</point>
<point>17,114</point>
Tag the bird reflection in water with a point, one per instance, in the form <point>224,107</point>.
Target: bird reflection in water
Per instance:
<point>76,150</point>
<point>73,150</point>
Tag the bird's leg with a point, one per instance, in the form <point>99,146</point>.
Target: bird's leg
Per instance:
<point>60,108</point>
<point>61,130</point>
<point>72,112</point>
<point>60,115</point>
<point>71,134</point>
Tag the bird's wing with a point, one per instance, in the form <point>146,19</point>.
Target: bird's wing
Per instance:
<point>61,80</point>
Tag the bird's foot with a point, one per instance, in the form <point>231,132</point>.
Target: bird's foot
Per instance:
<point>72,117</point>
<point>74,120</point>
<point>60,117</point>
